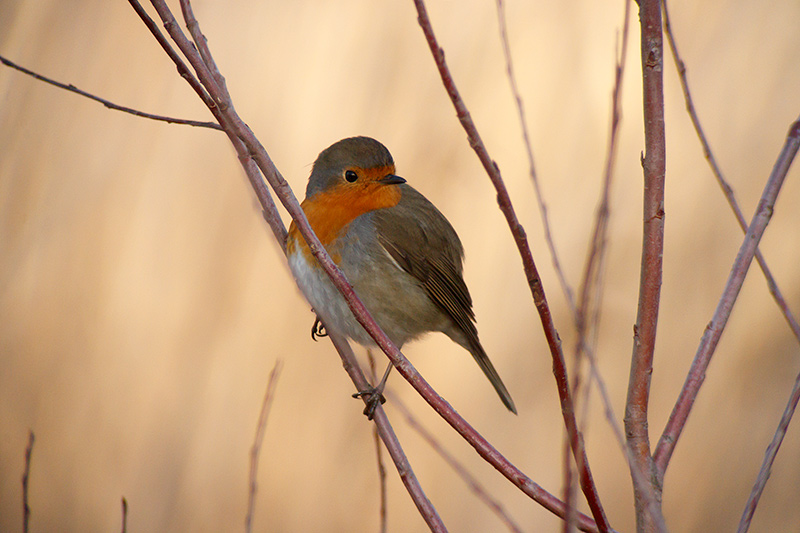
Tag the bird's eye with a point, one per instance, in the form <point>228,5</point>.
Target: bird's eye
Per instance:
<point>350,176</point>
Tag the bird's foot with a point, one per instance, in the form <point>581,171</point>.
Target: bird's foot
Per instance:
<point>373,397</point>
<point>318,330</point>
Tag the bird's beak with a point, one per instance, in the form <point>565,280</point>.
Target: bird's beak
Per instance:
<point>391,179</point>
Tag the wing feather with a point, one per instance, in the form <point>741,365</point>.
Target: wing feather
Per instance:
<point>421,240</point>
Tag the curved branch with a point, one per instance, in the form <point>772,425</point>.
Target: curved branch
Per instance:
<point>769,458</point>
<point>110,105</point>
<point>713,332</point>
<point>240,133</point>
<point>531,272</point>
<point>724,185</point>
<point>252,153</point>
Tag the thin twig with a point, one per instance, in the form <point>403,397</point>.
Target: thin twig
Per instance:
<point>714,329</point>
<point>587,312</point>
<point>404,367</point>
<point>593,270</point>
<point>269,210</point>
<point>258,440</point>
<point>384,507</point>
<point>473,483</point>
<point>534,281</point>
<point>124,515</point>
<point>205,53</point>
<point>110,105</point>
<point>512,80</point>
<point>244,140</point>
<point>724,185</point>
<point>383,514</point>
<point>638,477</point>
<point>769,458</point>
<point>389,438</point>
<point>597,247</point>
<point>282,189</point>
<point>569,469</point>
<point>26,509</point>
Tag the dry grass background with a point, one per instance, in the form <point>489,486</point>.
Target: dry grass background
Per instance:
<point>143,302</point>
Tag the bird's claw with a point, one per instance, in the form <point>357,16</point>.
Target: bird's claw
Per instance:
<point>318,330</point>
<point>372,398</point>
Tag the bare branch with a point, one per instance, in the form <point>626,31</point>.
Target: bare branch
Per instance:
<point>534,281</point>
<point>109,105</point>
<point>389,438</point>
<point>124,515</point>
<point>379,454</point>
<point>258,440</point>
<point>512,80</point>
<point>724,185</point>
<point>474,485</point>
<point>714,329</point>
<point>239,132</point>
<point>587,312</point>
<point>654,165</point>
<point>26,473</point>
<point>248,146</point>
<point>269,210</point>
<point>772,450</point>
<point>769,458</point>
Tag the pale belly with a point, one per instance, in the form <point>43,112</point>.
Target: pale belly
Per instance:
<point>326,300</point>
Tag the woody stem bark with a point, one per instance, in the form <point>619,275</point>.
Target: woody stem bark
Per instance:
<point>654,166</point>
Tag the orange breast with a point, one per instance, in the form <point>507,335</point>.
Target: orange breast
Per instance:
<point>329,212</point>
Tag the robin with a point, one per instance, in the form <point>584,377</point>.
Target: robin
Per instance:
<point>400,254</point>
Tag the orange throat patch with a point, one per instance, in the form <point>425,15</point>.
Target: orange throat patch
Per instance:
<point>330,211</point>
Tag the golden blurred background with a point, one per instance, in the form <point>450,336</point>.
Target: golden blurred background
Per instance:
<point>143,301</point>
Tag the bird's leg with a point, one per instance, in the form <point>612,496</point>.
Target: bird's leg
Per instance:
<point>374,395</point>
<point>318,329</point>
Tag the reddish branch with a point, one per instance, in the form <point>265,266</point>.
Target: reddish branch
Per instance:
<point>769,458</point>
<point>654,166</point>
<point>726,188</point>
<point>249,147</point>
<point>772,449</point>
<point>109,105</point>
<point>379,454</point>
<point>534,281</point>
<point>470,481</point>
<point>512,80</point>
<point>713,332</point>
<point>251,153</point>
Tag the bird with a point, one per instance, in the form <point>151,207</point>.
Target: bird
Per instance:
<point>397,250</point>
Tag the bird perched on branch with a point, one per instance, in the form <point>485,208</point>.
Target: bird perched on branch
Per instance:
<point>400,254</point>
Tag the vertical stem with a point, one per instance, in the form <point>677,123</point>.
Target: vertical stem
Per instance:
<point>654,166</point>
<point>26,474</point>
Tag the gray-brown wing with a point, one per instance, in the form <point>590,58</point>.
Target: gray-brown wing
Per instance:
<point>424,244</point>
<point>421,240</point>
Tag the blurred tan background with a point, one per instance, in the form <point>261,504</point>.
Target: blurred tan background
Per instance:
<point>143,301</point>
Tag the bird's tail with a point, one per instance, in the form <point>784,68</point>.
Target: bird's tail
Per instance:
<point>486,365</point>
